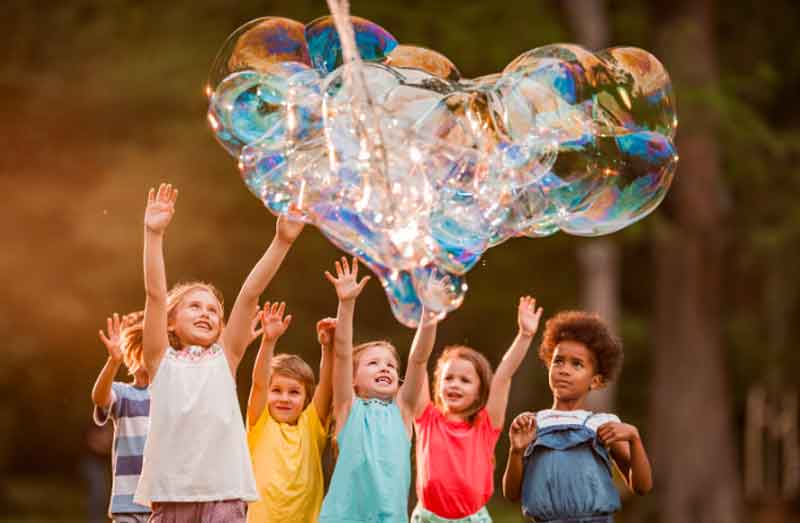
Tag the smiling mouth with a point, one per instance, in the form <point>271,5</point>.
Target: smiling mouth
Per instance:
<point>383,380</point>
<point>203,325</point>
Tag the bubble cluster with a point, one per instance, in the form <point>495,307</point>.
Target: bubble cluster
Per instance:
<point>419,171</point>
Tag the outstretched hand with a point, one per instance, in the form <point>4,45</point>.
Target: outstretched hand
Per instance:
<point>528,316</point>
<point>255,327</point>
<point>346,280</point>
<point>326,328</point>
<point>289,226</point>
<point>522,431</point>
<point>160,208</point>
<point>113,339</point>
<point>272,321</point>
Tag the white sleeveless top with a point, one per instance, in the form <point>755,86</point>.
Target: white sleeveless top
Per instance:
<point>196,449</point>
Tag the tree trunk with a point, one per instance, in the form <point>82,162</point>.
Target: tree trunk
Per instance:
<point>697,478</point>
<point>598,258</point>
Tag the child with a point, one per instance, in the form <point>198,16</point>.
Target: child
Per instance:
<point>128,406</point>
<point>373,416</point>
<point>458,431</point>
<point>287,437</point>
<point>196,461</point>
<point>559,462</point>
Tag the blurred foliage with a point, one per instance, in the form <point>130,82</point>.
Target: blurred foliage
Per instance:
<point>102,99</point>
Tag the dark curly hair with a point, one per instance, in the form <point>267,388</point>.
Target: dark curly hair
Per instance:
<point>588,329</point>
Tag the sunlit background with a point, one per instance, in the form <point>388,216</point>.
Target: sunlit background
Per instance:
<point>101,99</point>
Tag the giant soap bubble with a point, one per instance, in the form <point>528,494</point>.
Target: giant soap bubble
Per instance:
<point>400,161</point>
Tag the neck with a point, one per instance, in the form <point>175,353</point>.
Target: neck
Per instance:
<point>569,404</point>
<point>454,416</point>
<point>140,380</point>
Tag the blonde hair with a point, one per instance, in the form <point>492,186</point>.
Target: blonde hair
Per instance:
<point>294,367</point>
<point>482,368</point>
<point>359,349</point>
<point>132,335</point>
<point>131,341</point>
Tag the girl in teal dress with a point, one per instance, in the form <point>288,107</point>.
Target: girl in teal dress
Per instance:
<point>373,415</point>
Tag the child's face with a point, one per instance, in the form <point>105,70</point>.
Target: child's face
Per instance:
<point>286,399</point>
<point>459,385</point>
<point>198,318</point>
<point>376,374</point>
<point>572,371</point>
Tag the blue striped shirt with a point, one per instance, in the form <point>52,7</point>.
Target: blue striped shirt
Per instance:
<point>130,412</point>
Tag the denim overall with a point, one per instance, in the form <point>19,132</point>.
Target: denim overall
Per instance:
<point>567,477</point>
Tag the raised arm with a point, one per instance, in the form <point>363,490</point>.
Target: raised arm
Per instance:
<point>347,290</point>
<point>414,395</point>
<point>101,392</point>
<point>521,433</point>
<point>528,320</point>
<point>236,336</point>
<point>326,330</point>
<point>629,453</point>
<point>273,325</point>
<point>157,216</point>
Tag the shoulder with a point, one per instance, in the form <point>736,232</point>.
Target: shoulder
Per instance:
<point>484,421</point>
<point>598,419</point>
<point>428,415</point>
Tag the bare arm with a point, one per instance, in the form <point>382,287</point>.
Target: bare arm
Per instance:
<point>274,325</point>
<point>347,290</point>
<point>101,392</point>
<point>326,329</point>
<point>629,454</point>
<point>158,214</point>
<point>528,319</point>
<point>521,433</point>
<point>414,395</point>
<point>236,336</point>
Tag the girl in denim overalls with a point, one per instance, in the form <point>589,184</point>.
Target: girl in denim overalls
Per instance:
<point>560,461</point>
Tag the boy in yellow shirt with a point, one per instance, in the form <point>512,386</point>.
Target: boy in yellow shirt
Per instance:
<point>286,419</point>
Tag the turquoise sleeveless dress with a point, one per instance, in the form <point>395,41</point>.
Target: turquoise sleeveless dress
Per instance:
<point>371,481</point>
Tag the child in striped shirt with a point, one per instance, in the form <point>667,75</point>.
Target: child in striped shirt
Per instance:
<point>128,406</point>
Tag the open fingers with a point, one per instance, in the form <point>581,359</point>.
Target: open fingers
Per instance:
<point>363,283</point>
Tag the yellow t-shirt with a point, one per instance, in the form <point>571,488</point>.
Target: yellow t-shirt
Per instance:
<point>287,461</point>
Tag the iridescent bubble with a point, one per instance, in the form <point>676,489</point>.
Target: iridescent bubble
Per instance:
<point>400,291</point>
<point>257,46</point>
<point>638,177</point>
<point>374,42</point>
<point>248,106</point>
<point>459,231</point>
<point>437,64</point>
<point>440,291</point>
<point>417,171</point>
<point>643,98</point>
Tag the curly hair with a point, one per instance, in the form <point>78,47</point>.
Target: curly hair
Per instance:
<point>586,328</point>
